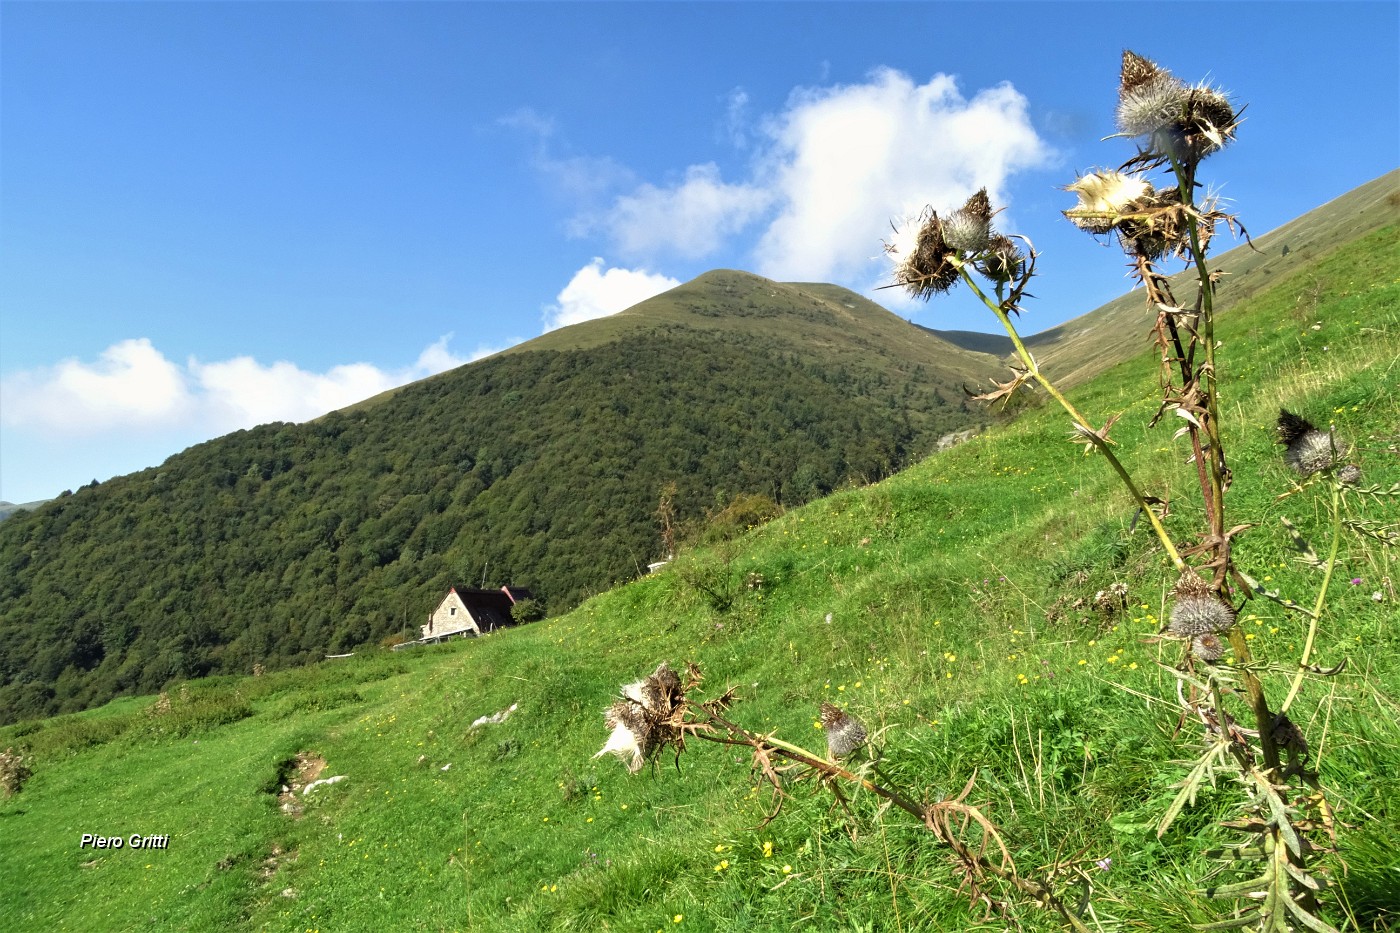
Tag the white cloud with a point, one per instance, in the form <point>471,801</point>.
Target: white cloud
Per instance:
<point>736,118</point>
<point>132,386</point>
<point>587,179</point>
<point>846,160</point>
<point>596,292</point>
<point>690,219</point>
<point>244,392</point>
<point>829,174</point>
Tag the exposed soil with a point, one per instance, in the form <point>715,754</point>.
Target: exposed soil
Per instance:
<point>294,775</point>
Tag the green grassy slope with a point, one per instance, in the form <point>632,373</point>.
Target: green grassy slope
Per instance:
<point>938,605</point>
<point>538,468</point>
<point>1087,345</point>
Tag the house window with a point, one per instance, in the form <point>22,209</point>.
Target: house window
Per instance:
<point>452,611</point>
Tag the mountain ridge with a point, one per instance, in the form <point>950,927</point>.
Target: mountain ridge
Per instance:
<point>541,467</point>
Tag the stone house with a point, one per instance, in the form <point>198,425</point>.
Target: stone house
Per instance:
<point>465,611</point>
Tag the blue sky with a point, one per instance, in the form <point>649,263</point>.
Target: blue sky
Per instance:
<point>218,215</point>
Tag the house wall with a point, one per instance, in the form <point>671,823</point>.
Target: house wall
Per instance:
<point>450,616</point>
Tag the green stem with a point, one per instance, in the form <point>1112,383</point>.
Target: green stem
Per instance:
<point>1321,598</point>
<point>1039,892</point>
<point>1079,420</point>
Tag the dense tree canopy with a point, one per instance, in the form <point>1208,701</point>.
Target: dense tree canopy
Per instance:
<point>543,469</point>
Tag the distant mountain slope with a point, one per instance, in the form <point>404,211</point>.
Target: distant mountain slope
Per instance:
<point>540,467</point>
<point>1081,348</point>
<point>10,508</point>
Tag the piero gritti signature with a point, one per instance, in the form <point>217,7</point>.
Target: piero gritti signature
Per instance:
<point>134,841</point>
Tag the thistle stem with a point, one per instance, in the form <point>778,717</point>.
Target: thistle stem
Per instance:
<point>1185,183</point>
<point>1258,702</point>
<point>1321,598</point>
<point>1080,421</point>
<point>1040,893</point>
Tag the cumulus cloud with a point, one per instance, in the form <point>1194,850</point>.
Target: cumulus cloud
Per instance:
<point>690,219</point>
<point>829,172</point>
<point>133,386</point>
<point>845,160</point>
<point>596,292</point>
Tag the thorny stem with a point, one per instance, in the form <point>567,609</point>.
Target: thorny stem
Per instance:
<point>1321,598</point>
<point>802,756</point>
<point>1185,185</point>
<point>1258,702</point>
<point>1040,893</point>
<point>1080,421</point>
<point>1159,290</point>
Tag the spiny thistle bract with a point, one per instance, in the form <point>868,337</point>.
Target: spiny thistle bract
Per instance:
<point>1309,450</point>
<point>1197,610</point>
<point>1179,122</point>
<point>844,732</point>
<point>1198,615</point>
<point>1002,261</point>
<point>1208,647</point>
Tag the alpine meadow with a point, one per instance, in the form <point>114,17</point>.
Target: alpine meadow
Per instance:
<point>1093,629</point>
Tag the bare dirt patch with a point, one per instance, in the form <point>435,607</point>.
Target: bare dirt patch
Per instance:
<point>295,773</point>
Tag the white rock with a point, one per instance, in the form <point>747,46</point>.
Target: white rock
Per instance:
<point>315,784</point>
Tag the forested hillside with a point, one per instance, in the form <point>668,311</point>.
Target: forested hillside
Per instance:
<point>540,468</point>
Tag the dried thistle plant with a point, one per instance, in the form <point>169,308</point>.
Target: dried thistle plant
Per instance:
<point>1175,127</point>
<point>14,771</point>
<point>658,712</point>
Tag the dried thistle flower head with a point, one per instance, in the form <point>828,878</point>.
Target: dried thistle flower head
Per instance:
<point>1309,450</point>
<point>1197,610</point>
<point>1208,647</point>
<point>969,228</point>
<point>1179,121</point>
<point>647,718</point>
<point>1103,197</point>
<point>1291,427</point>
<point>1002,261</point>
<point>844,732</point>
<point>630,740</point>
<point>1151,222</point>
<point>922,257</point>
<point>1287,735</point>
<point>14,771</point>
<point>1190,583</point>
